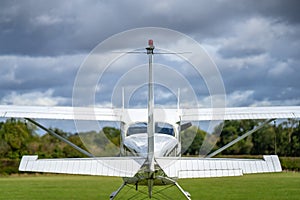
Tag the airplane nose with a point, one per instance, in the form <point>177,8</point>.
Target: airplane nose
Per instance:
<point>138,144</point>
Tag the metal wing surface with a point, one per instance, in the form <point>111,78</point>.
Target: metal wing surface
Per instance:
<point>104,166</point>
<point>217,167</point>
<point>52,112</point>
<point>110,114</point>
<point>239,113</point>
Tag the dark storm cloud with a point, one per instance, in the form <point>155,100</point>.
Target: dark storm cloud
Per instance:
<point>240,52</point>
<point>255,43</point>
<point>26,77</point>
<point>36,28</point>
<point>287,11</point>
<point>66,27</point>
<point>271,83</point>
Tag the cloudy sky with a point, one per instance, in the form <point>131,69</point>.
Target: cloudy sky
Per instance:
<point>255,45</point>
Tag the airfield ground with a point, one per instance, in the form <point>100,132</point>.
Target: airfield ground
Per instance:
<point>285,185</point>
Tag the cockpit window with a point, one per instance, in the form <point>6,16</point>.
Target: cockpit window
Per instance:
<point>164,128</point>
<point>137,128</point>
<point>160,127</point>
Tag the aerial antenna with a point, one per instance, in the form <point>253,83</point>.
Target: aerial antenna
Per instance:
<point>178,99</point>
<point>149,50</point>
<point>123,98</point>
<point>151,123</point>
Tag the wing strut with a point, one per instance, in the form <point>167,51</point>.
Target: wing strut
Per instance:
<point>239,138</point>
<point>61,138</point>
<point>185,193</point>
<point>115,193</point>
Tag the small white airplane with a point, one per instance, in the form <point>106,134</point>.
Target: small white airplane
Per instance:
<point>152,138</point>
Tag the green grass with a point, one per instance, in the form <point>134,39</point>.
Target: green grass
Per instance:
<point>256,186</point>
<point>284,185</point>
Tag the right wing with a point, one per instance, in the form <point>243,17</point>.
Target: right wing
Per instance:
<point>105,166</point>
<point>238,113</point>
<point>217,167</point>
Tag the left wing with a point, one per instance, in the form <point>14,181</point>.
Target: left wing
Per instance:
<point>105,166</point>
<point>86,113</point>
<point>56,112</point>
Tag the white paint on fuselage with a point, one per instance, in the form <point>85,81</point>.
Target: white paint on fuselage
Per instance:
<point>163,144</point>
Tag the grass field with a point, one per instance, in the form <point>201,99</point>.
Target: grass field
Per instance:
<point>259,186</point>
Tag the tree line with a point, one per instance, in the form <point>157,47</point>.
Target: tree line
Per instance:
<point>19,138</point>
<point>281,138</point>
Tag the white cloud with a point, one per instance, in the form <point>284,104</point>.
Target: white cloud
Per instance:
<point>246,98</point>
<point>268,102</point>
<point>46,20</point>
<point>280,69</point>
<point>33,99</point>
<point>239,98</point>
<point>163,95</point>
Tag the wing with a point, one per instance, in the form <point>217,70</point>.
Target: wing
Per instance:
<point>168,115</point>
<point>217,167</point>
<point>86,113</point>
<point>238,113</point>
<point>68,113</point>
<point>105,166</point>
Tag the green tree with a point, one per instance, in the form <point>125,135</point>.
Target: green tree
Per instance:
<point>289,137</point>
<point>15,136</point>
<point>191,140</point>
<point>69,151</point>
<point>232,130</point>
<point>113,134</point>
<point>264,140</point>
<point>51,147</point>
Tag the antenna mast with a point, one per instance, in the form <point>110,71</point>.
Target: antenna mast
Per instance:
<point>151,123</point>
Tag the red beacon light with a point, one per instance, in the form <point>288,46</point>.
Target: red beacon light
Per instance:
<point>150,43</point>
<point>150,48</point>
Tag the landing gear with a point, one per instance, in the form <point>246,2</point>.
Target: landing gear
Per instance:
<point>149,185</point>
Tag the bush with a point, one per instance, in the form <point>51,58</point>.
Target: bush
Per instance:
<point>290,163</point>
<point>9,166</point>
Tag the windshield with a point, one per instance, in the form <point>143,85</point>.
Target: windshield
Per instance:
<point>141,127</point>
